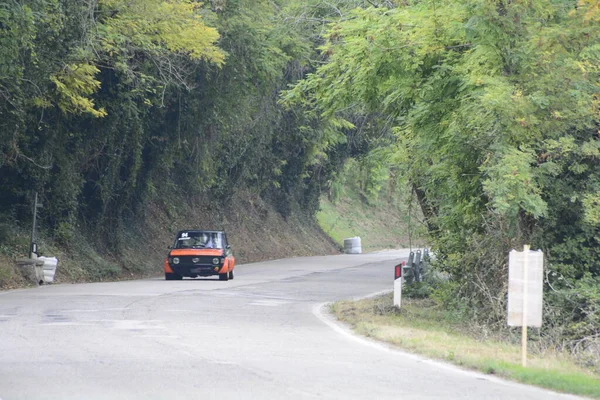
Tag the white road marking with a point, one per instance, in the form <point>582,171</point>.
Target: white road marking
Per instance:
<point>94,310</point>
<point>135,324</point>
<point>320,312</point>
<point>268,303</point>
<point>66,324</point>
<point>160,336</point>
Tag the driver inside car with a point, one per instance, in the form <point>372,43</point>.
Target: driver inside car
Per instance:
<point>205,241</point>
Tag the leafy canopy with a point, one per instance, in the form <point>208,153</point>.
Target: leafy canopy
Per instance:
<point>494,106</point>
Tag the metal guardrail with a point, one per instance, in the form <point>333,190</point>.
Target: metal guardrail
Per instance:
<point>44,268</point>
<point>416,267</point>
<point>29,261</point>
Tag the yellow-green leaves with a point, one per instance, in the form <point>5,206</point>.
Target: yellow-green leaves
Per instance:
<point>591,9</point>
<point>127,32</point>
<point>591,206</point>
<point>74,84</point>
<point>152,25</point>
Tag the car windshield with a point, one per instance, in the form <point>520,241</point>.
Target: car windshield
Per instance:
<point>199,240</point>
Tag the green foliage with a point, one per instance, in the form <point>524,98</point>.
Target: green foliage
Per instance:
<point>510,184</point>
<point>591,207</point>
<point>336,191</point>
<point>380,222</point>
<point>156,26</point>
<point>64,233</point>
<point>418,290</point>
<point>108,105</point>
<point>73,84</point>
<point>494,111</point>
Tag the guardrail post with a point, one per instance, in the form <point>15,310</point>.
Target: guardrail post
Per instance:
<point>409,275</point>
<point>398,284</point>
<point>417,266</point>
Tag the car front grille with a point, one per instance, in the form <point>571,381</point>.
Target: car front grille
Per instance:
<point>187,261</point>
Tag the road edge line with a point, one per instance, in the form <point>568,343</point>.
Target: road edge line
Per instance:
<point>343,329</point>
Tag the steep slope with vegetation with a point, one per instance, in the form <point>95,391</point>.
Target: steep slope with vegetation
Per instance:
<point>363,201</point>
<point>494,115</point>
<point>255,229</point>
<point>110,108</point>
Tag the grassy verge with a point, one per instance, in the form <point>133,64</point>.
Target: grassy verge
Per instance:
<point>381,225</point>
<point>423,328</point>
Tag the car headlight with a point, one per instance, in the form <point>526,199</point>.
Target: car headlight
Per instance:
<point>215,261</point>
<point>175,260</point>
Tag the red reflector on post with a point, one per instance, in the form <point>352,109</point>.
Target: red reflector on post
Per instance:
<point>398,272</point>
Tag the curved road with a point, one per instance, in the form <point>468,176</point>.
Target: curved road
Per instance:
<point>260,336</point>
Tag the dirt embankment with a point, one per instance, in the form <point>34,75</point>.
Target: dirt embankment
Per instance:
<point>254,229</point>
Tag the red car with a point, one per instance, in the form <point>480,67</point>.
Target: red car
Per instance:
<point>199,253</point>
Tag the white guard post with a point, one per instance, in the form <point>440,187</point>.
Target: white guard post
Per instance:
<point>398,284</point>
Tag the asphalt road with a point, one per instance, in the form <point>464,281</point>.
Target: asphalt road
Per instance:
<point>264,335</point>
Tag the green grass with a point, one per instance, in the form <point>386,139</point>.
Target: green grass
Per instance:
<point>423,328</point>
<point>569,381</point>
<point>380,225</point>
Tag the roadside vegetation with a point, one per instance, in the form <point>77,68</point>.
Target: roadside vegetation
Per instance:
<point>382,215</point>
<point>489,112</point>
<point>112,109</point>
<point>255,229</point>
<point>423,327</point>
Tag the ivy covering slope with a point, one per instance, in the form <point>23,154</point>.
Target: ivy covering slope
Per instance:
<point>108,104</point>
<point>112,108</point>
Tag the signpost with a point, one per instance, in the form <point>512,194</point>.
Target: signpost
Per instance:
<point>525,291</point>
<point>32,244</point>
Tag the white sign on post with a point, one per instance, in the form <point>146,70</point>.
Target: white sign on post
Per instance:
<point>525,288</point>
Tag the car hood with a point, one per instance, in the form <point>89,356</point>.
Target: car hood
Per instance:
<point>196,252</point>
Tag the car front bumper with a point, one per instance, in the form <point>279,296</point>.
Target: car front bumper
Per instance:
<point>196,270</point>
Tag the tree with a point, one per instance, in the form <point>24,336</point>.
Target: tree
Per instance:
<point>495,113</point>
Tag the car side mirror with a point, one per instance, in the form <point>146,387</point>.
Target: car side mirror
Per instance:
<point>228,247</point>
<point>169,248</point>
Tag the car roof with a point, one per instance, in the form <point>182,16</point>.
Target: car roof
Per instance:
<point>201,230</point>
